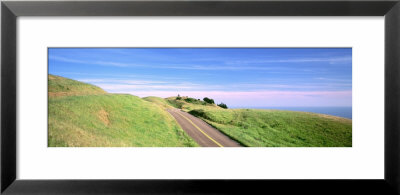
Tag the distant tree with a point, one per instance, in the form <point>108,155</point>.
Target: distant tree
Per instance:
<point>208,100</point>
<point>222,105</point>
<point>179,97</point>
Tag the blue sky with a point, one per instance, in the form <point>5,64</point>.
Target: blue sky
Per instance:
<point>239,77</point>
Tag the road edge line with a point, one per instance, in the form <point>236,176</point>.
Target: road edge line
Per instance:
<point>198,128</point>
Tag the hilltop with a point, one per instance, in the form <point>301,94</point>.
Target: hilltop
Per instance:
<point>83,115</point>
<point>184,103</point>
<point>60,86</point>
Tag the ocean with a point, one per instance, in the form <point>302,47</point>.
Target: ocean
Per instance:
<point>345,112</point>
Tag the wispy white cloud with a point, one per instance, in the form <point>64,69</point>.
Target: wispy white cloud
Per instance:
<point>330,60</point>
<point>64,59</point>
<point>334,79</point>
<point>79,75</point>
<point>164,66</point>
<point>239,94</point>
<point>101,63</point>
<point>229,65</point>
<point>119,81</point>
<point>120,85</point>
<point>123,88</point>
<point>123,85</point>
<point>117,64</point>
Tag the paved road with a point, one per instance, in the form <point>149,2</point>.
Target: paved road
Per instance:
<point>200,131</point>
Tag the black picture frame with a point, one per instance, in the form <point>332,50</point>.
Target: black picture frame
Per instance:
<point>11,10</point>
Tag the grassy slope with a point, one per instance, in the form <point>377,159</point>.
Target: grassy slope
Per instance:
<point>274,128</point>
<point>163,103</point>
<point>60,86</point>
<point>85,115</point>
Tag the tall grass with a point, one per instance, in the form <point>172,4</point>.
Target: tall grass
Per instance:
<point>275,128</point>
<point>85,115</point>
<point>109,120</point>
<point>272,128</point>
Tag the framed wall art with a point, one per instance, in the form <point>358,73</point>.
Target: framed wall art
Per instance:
<point>199,97</point>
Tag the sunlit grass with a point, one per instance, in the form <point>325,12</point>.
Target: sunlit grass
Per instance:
<point>275,128</point>
<point>84,115</point>
<point>111,120</point>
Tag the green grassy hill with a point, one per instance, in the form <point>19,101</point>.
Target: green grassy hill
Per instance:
<point>60,86</point>
<point>83,115</point>
<point>273,128</point>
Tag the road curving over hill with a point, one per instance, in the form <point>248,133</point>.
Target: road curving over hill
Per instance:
<point>200,131</point>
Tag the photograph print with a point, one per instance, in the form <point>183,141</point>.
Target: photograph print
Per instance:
<point>199,97</point>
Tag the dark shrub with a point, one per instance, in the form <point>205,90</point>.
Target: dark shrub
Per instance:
<point>190,100</point>
<point>222,105</point>
<point>178,97</point>
<point>208,100</point>
<point>198,113</point>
